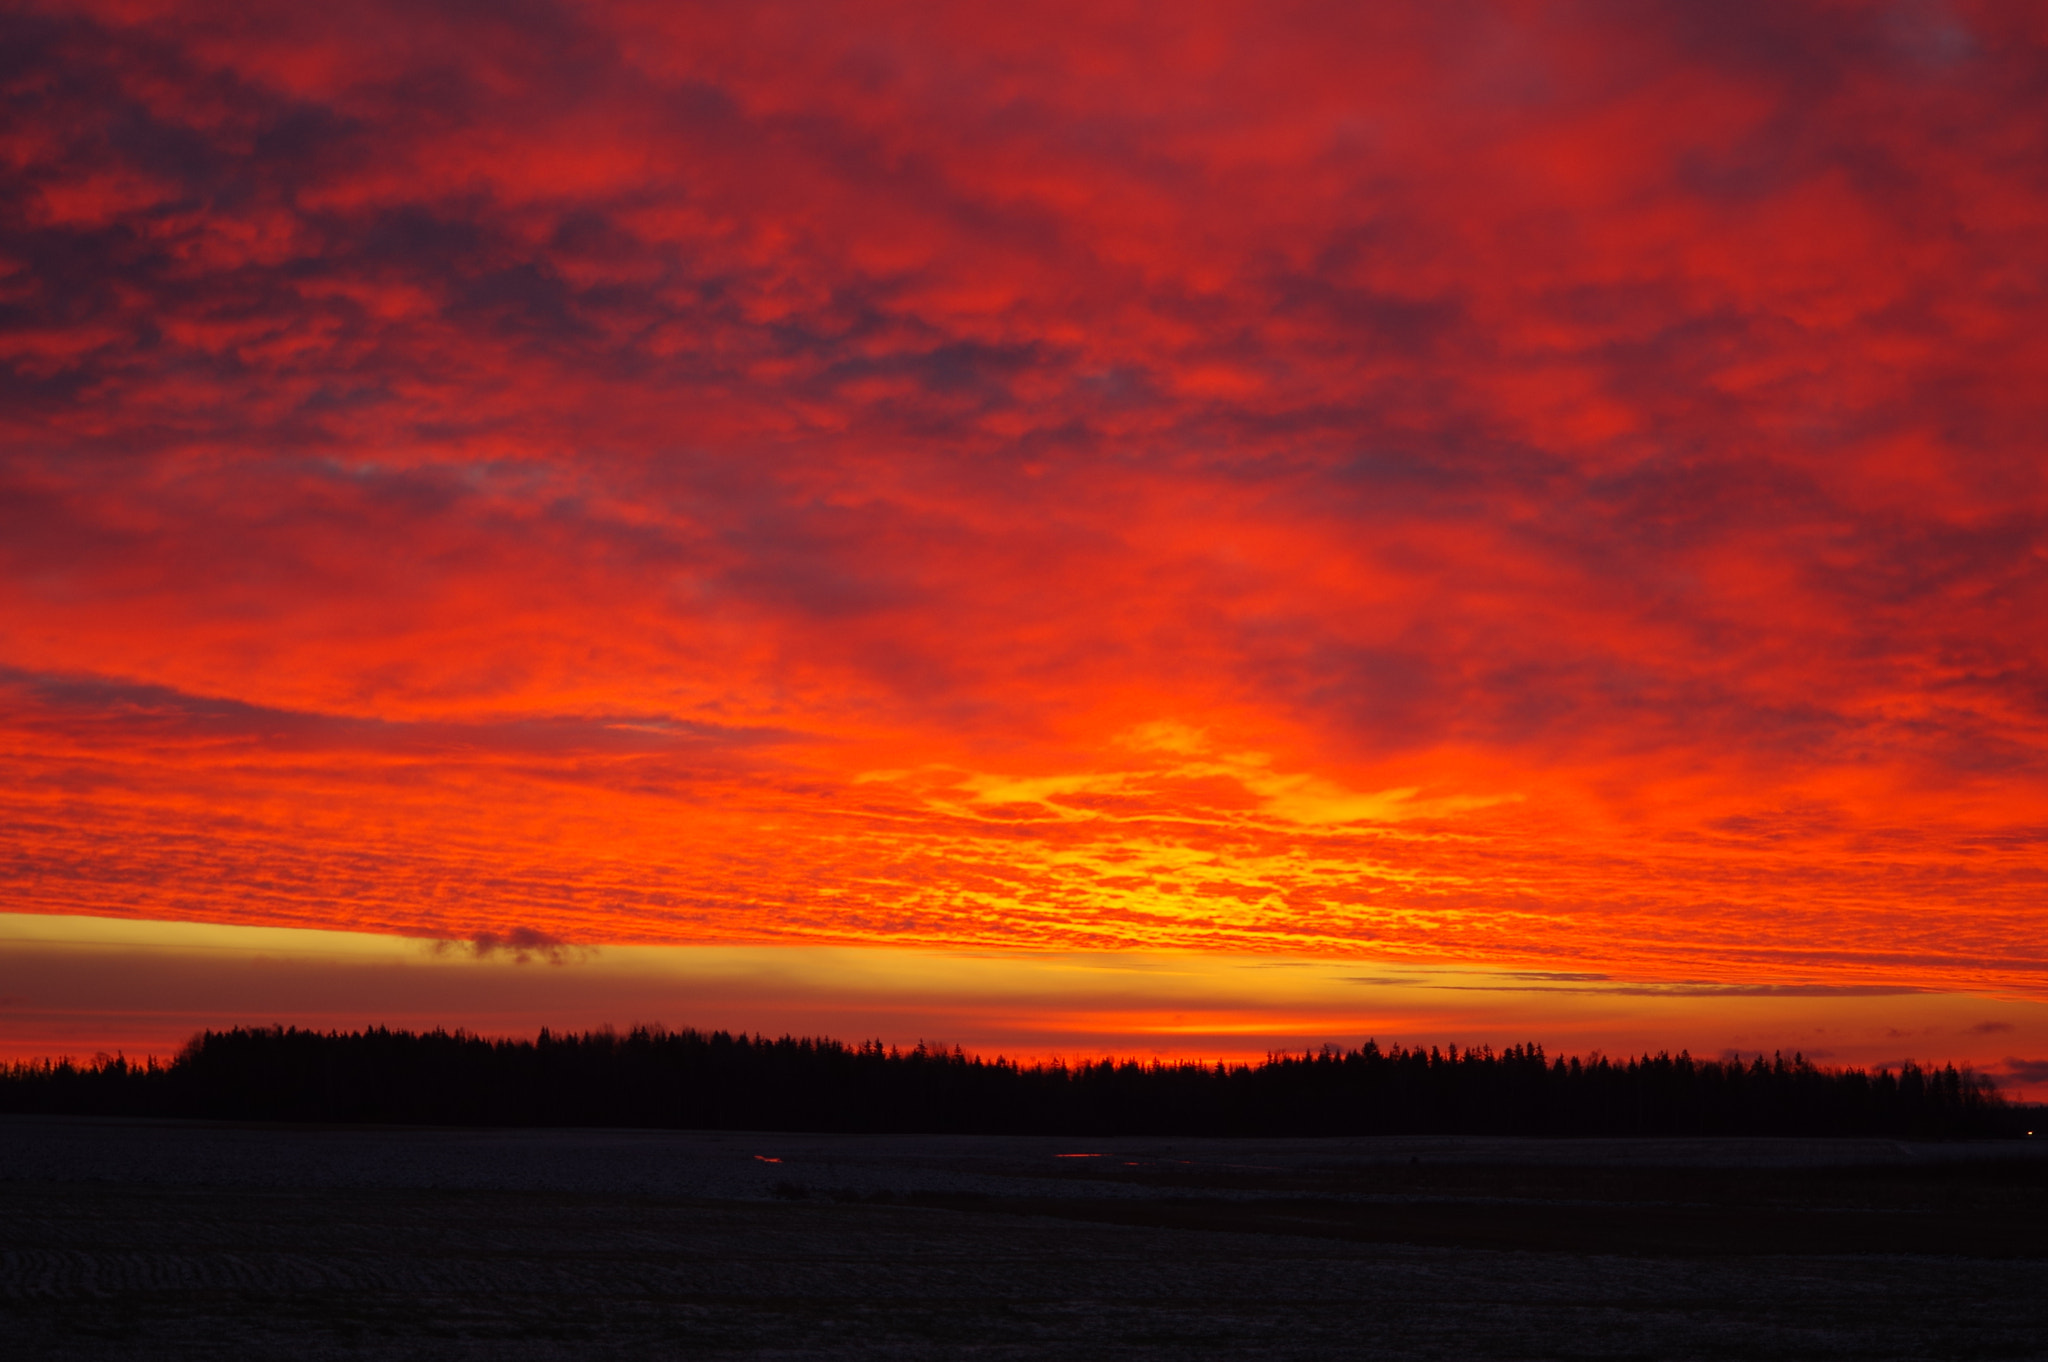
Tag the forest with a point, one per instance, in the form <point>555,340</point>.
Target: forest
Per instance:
<point>689,1079</point>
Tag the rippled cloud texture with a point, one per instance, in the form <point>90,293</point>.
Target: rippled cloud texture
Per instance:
<point>1547,485</point>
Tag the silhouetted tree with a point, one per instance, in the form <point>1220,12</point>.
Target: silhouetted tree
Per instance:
<point>649,1076</point>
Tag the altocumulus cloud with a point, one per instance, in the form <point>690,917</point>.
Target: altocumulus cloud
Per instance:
<point>554,455</point>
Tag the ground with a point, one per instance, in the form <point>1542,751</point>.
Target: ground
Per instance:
<point>186,1240</point>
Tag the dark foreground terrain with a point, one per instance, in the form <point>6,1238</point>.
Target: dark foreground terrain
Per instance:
<point>129,1239</point>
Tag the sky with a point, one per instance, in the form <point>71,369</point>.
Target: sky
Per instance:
<point>1029,523</point>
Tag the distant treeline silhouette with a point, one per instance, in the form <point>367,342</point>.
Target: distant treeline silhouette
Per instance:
<point>649,1076</point>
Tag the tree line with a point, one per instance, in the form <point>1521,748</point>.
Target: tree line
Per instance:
<point>653,1077</point>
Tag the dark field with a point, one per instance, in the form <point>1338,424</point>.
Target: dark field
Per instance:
<point>135,1239</point>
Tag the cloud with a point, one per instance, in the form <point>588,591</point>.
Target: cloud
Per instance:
<point>1562,982</point>
<point>2025,1070</point>
<point>523,944</point>
<point>1403,481</point>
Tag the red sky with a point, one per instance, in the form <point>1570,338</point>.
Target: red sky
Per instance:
<point>1550,488</point>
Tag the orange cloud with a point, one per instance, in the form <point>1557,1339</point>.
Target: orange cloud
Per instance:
<point>1419,482</point>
